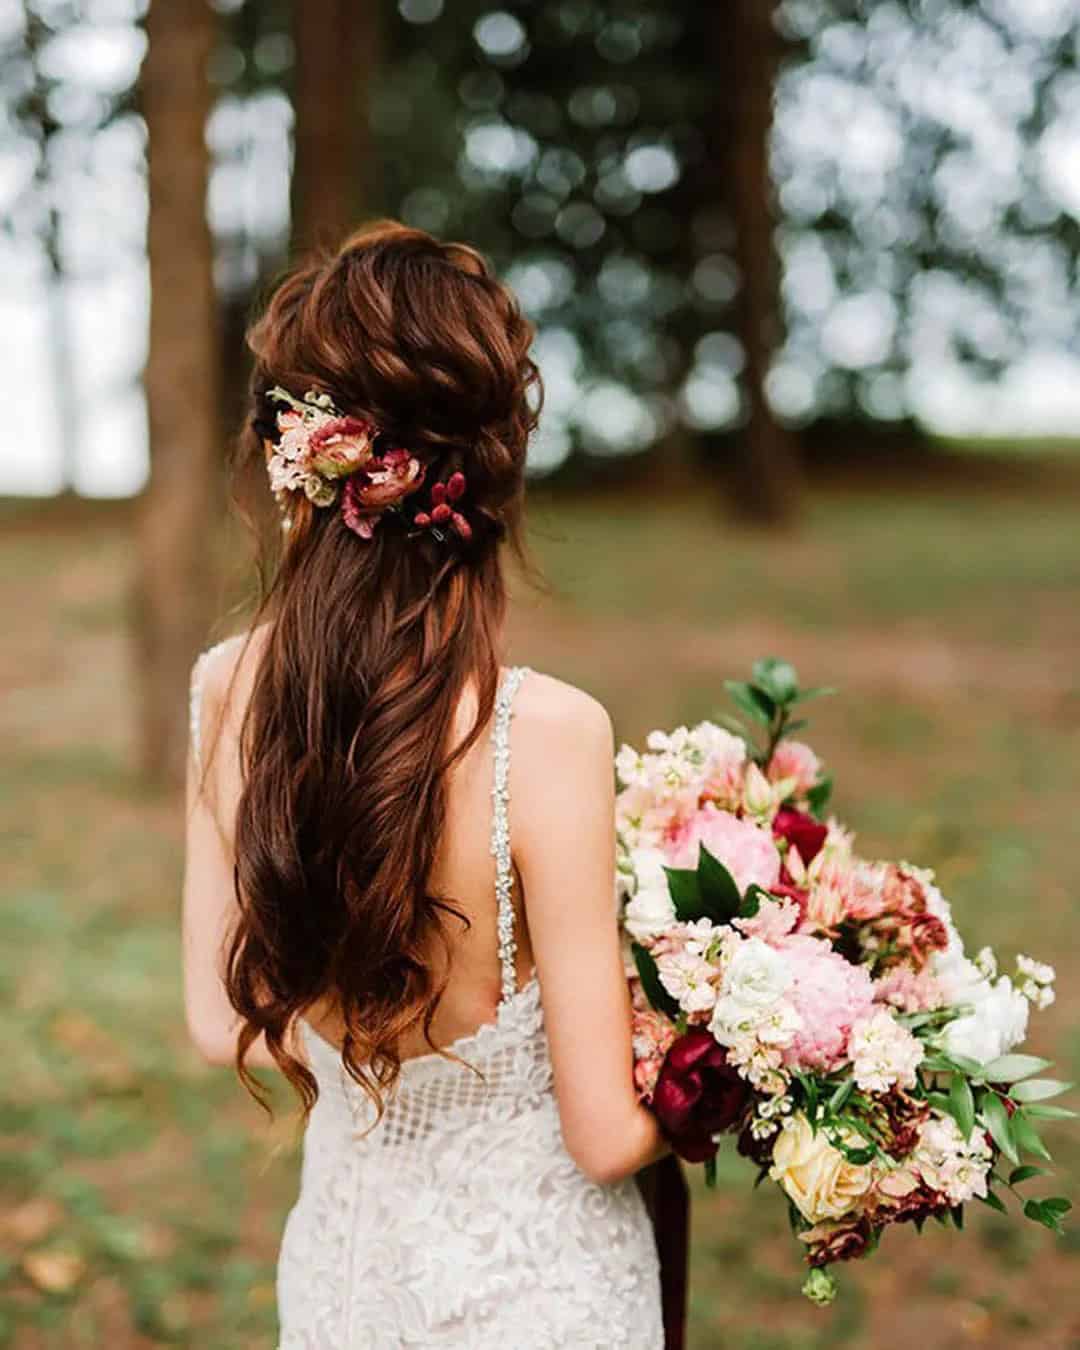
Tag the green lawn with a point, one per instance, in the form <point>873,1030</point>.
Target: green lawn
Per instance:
<point>141,1194</point>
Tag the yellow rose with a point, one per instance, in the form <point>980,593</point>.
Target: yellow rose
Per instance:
<point>818,1178</point>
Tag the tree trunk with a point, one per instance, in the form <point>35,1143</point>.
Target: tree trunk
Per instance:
<point>177,511</point>
<point>768,479</point>
<point>336,54</point>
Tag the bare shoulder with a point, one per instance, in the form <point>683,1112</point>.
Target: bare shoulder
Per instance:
<point>230,664</point>
<point>550,714</point>
<point>221,683</point>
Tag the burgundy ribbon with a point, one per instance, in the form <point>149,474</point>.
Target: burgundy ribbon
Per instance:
<point>667,1200</point>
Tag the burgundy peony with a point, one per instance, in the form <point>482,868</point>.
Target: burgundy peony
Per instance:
<point>698,1095</point>
<point>801,831</point>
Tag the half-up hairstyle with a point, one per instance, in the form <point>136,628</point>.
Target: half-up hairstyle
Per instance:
<point>345,743</point>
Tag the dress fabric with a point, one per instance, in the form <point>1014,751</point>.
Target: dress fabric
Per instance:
<point>459,1219</point>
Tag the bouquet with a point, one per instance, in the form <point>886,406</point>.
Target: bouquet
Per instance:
<point>816,1005</point>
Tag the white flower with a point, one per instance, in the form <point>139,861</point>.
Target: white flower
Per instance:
<point>711,741</point>
<point>1036,971</point>
<point>757,976</point>
<point>751,1010</point>
<point>630,767</point>
<point>780,1025</point>
<point>997,1021</point>
<point>650,912</point>
<point>883,1053</point>
<point>951,1164</point>
<point>700,935</point>
<point>688,979</point>
<point>759,795</point>
<point>986,963</point>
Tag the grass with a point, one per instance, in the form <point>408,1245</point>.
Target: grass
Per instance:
<point>142,1195</point>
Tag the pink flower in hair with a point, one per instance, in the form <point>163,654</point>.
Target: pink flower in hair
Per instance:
<point>386,481</point>
<point>341,446</point>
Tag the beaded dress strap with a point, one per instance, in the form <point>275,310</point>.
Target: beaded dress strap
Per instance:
<point>500,830</point>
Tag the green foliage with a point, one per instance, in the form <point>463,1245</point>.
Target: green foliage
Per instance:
<point>655,992</point>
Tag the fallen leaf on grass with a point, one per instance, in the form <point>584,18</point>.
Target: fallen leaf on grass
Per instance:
<point>31,1221</point>
<point>54,1272</point>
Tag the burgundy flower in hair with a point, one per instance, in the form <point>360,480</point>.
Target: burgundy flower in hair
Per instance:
<point>443,515</point>
<point>318,447</point>
<point>385,481</point>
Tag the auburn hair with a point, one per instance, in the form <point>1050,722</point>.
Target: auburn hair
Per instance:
<point>345,742</point>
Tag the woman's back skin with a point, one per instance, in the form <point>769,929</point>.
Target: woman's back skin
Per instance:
<point>563,852</point>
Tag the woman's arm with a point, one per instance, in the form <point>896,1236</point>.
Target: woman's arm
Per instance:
<point>563,828</point>
<point>209,902</point>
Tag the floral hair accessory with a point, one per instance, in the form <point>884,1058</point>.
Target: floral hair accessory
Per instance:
<point>318,447</point>
<point>443,515</point>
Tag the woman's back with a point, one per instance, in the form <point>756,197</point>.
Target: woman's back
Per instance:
<point>390,895</point>
<point>456,1217</point>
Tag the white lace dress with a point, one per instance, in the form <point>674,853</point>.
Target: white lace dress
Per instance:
<point>460,1219</point>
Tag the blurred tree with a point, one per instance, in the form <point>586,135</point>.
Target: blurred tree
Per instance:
<point>178,507</point>
<point>613,158</point>
<point>336,46</point>
<point>38,119</point>
<point>768,476</point>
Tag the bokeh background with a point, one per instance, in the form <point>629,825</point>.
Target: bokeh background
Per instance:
<point>805,279</point>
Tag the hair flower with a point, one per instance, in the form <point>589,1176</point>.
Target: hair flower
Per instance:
<point>442,512</point>
<point>379,487</point>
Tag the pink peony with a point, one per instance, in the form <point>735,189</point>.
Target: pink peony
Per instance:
<point>910,991</point>
<point>796,761</point>
<point>830,995</point>
<point>747,851</point>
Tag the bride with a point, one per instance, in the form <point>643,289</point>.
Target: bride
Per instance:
<point>399,881</point>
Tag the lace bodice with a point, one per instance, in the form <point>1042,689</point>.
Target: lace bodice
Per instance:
<point>458,1218</point>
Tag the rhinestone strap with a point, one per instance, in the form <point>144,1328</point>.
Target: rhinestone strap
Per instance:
<point>195,710</point>
<point>500,830</point>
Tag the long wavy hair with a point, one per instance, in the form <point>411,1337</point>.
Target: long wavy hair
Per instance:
<point>346,739</point>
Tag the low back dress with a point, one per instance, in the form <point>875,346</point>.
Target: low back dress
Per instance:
<point>458,1218</point>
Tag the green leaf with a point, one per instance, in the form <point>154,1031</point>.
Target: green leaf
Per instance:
<point>962,1104</point>
<point>971,1067</point>
<point>939,1100</point>
<point>685,890</point>
<point>1025,1173</point>
<point>1027,1137</point>
<point>1038,1089</point>
<point>716,886</point>
<point>731,724</point>
<point>756,705</point>
<point>1037,1111</point>
<point>1058,1204</point>
<point>752,901</point>
<point>649,976</point>
<point>777,678</point>
<point>999,1125</point>
<point>818,797</point>
<point>957,1213</point>
<point>839,1098</point>
<point>800,724</point>
<point>1049,1218</point>
<point>994,1201</point>
<point>810,1088</point>
<point>1011,1068</point>
<point>710,1172</point>
<point>819,691</point>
